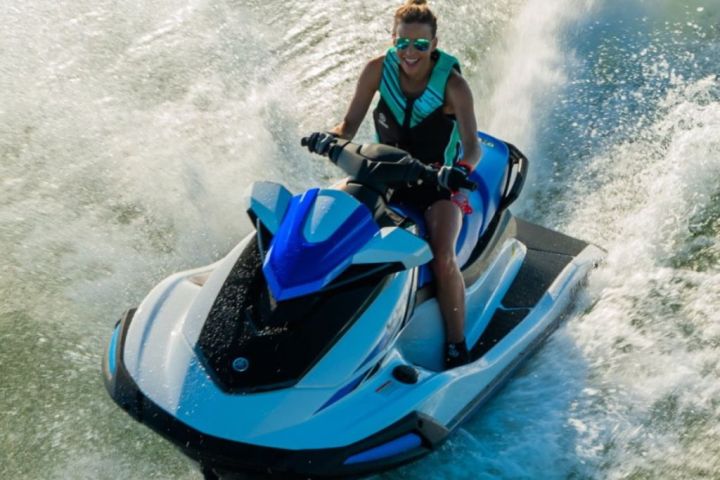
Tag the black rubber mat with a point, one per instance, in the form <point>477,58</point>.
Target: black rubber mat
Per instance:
<point>537,272</point>
<point>500,325</point>
<point>540,238</point>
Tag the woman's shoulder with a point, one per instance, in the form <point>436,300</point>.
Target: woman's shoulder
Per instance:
<point>457,89</point>
<point>376,63</point>
<point>374,67</point>
<point>456,81</point>
<point>371,74</point>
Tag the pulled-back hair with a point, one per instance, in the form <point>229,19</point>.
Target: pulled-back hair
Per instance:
<point>415,11</point>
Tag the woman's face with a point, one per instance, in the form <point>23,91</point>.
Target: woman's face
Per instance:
<point>412,60</point>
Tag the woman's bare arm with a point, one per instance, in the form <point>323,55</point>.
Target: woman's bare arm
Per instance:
<point>460,98</point>
<point>367,85</point>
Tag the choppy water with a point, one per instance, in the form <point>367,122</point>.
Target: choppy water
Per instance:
<point>128,132</point>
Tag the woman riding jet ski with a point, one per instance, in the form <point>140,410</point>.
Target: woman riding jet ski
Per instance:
<point>426,109</point>
<point>315,347</point>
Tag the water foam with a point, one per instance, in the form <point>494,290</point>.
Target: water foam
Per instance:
<point>652,337</point>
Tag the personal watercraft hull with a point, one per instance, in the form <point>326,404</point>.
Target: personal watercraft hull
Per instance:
<point>521,282</point>
<point>315,347</point>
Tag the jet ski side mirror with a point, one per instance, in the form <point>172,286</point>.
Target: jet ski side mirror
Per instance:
<point>267,202</point>
<point>394,245</point>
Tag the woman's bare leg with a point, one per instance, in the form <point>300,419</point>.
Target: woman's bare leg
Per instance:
<point>444,221</point>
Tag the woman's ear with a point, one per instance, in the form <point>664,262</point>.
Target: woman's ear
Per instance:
<point>434,43</point>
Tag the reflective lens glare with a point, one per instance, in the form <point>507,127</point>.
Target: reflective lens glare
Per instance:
<point>420,44</point>
<point>402,43</point>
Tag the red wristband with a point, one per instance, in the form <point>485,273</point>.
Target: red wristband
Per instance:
<point>466,165</point>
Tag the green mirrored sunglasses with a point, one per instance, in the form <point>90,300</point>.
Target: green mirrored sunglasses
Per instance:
<point>420,44</point>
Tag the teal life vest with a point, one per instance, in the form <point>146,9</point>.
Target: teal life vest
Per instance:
<point>418,125</point>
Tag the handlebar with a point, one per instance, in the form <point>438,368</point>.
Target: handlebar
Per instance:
<point>469,185</point>
<point>382,164</point>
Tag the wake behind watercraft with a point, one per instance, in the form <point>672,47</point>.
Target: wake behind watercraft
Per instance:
<point>314,349</point>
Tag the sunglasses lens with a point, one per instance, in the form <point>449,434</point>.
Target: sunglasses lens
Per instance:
<point>421,45</point>
<point>402,43</point>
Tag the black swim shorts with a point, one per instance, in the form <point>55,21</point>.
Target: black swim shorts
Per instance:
<point>419,197</point>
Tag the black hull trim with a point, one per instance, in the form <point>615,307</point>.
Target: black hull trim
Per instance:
<point>225,456</point>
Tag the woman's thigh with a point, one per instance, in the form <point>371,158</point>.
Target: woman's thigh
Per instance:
<point>443,219</point>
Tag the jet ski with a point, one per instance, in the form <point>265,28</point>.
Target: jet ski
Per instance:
<point>314,349</point>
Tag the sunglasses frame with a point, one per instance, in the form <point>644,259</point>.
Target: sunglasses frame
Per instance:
<point>419,44</point>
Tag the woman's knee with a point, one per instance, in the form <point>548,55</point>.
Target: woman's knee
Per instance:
<point>444,263</point>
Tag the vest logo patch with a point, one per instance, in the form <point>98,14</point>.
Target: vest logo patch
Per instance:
<point>383,121</point>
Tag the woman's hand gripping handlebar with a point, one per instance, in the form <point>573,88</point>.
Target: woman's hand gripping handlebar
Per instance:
<point>383,165</point>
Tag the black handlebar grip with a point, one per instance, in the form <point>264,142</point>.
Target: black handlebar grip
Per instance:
<point>428,174</point>
<point>468,184</point>
<point>304,141</point>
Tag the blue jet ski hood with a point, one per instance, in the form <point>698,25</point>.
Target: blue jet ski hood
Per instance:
<point>320,233</point>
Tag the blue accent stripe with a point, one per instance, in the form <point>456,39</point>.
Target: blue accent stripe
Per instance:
<point>378,348</point>
<point>399,107</point>
<point>394,89</point>
<point>393,73</point>
<point>343,391</point>
<point>390,449</point>
<point>392,61</point>
<point>435,94</point>
<point>392,58</point>
<point>112,350</point>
